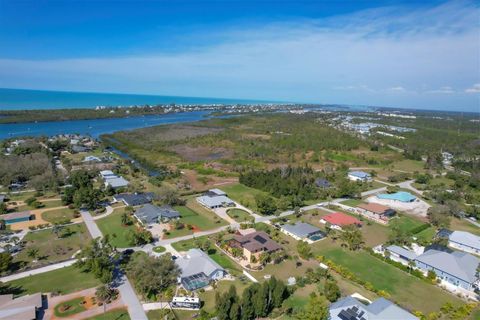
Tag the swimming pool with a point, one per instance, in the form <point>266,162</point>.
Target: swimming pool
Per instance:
<point>399,196</point>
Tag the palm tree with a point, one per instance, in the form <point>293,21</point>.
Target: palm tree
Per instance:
<point>104,294</point>
<point>33,253</point>
<point>125,218</point>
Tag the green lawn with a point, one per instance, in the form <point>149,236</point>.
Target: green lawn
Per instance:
<point>112,225</point>
<point>462,225</point>
<point>195,215</point>
<point>239,215</point>
<point>406,223</point>
<point>351,202</point>
<point>405,289</point>
<point>426,235</point>
<point>409,165</point>
<point>70,307</point>
<point>65,280</point>
<point>46,205</point>
<point>243,194</point>
<point>159,249</point>
<point>58,215</point>
<point>116,314</point>
<point>52,248</point>
<point>225,261</point>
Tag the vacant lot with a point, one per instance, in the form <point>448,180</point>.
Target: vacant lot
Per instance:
<point>243,194</point>
<point>52,248</point>
<point>463,225</point>
<point>58,215</point>
<point>405,289</point>
<point>112,225</point>
<point>66,280</point>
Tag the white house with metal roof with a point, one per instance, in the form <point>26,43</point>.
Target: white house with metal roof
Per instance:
<point>198,270</point>
<point>303,231</point>
<point>464,241</point>
<point>458,269</point>
<point>359,176</point>
<point>213,202</point>
<point>350,308</point>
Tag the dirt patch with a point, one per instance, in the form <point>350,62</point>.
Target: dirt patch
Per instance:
<point>257,136</point>
<point>201,153</point>
<point>192,178</point>
<point>417,208</point>
<point>195,229</point>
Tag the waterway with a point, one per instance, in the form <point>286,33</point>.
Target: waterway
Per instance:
<point>96,127</point>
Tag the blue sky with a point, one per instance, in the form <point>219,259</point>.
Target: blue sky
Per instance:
<point>386,53</point>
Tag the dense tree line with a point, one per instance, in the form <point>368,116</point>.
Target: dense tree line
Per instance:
<point>290,181</point>
<point>81,192</point>
<point>257,301</point>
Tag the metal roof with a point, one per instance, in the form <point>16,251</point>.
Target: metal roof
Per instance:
<point>465,238</point>
<point>301,229</point>
<point>216,201</point>
<point>116,182</point>
<point>150,213</point>
<point>360,174</point>
<point>410,255</point>
<point>458,264</point>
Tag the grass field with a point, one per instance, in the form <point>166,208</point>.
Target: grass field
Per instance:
<point>405,289</point>
<point>52,249</point>
<point>243,194</point>
<point>58,215</point>
<point>112,225</point>
<point>351,202</point>
<point>116,314</point>
<point>406,223</point>
<point>409,165</point>
<point>426,235</point>
<point>195,215</point>
<point>239,215</point>
<point>66,280</point>
<point>178,314</point>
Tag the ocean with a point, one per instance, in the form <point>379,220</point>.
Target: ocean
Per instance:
<point>19,99</point>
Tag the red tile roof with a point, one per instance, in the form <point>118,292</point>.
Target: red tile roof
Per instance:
<point>341,219</point>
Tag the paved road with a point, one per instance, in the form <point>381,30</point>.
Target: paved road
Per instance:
<point>135,309</point>
<point>38,270</point>
<point>108,211</point>
<point>408,185</point>
<point>91,225</point>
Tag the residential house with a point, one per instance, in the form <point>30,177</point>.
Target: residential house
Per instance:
<point>116,182</point>
<point>458,269</point>
<point>254,244</point>
<point>134,199</point>
<point>27,307</point>
<point>215,198</point>
<point>462,240</point>
<point>15,217</point>
<point>338,220</point>
<point>198,270</point>
<point>375,211</point>
<point>79,149</point>
<point>107,174</point>
<point>303,231</point>
<point>359,176</point>
<point>350,308</point>
<point>92,159</point>
<point>2,198</point>
<point>150,214</point>
<point>402,255</point>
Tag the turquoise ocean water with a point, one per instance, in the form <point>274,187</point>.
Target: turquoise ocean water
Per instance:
<point>17,99</point>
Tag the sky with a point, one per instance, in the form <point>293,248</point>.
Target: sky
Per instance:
<point>410,54</point>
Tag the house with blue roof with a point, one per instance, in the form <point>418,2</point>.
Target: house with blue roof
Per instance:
<point>350,308</point>
<point>359,176</point>
<point>464,241</point>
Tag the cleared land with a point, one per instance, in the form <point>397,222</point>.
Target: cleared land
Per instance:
<point>63,281</point>
<point>243,194</point>
<point>58,215</point>
<point>51,248</point>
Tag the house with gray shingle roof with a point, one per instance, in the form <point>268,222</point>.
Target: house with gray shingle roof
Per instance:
<point>213,202</point>
<point>350,308</point>
<point>134,199</point>
<point>198,270</point>
<point>457,268</point>
<point>150,214</point>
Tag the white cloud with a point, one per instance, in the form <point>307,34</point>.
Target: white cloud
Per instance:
<point>474,89</point>
<point>442,90</point>
<point>295,61</point>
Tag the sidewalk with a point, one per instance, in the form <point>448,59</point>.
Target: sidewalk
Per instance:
<point>38,271</point>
